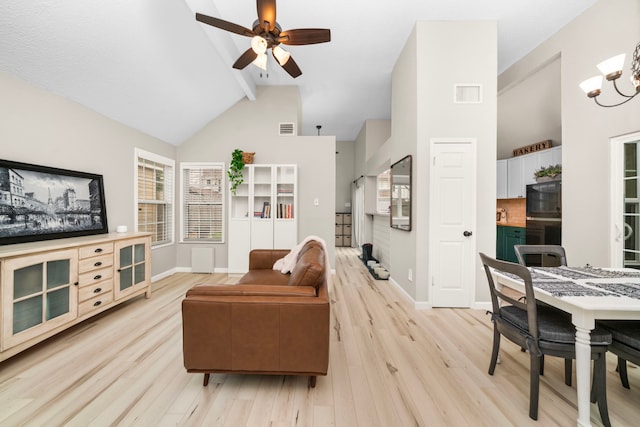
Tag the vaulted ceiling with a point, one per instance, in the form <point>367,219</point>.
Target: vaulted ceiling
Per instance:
<point>150,65</point>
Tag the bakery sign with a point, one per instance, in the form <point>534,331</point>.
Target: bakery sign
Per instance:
<point>538,146</point>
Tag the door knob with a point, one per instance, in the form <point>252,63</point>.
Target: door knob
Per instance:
<point>467,233</point>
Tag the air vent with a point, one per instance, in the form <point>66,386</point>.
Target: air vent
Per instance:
<point>287,129</point>
<point>468,94</point>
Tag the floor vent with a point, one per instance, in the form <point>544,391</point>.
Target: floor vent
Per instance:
<point>468,94</point>
<point>287,129</point>
<point>202,260</point>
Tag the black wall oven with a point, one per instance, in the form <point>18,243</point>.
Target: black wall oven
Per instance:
<point>544,217</point>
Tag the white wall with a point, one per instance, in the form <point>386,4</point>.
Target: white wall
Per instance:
<point>253,126</point>
<point>42,128</point>
<point>608,28</point>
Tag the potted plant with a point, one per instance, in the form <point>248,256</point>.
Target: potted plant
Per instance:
<point>235,170</point>
<point>549,173</point>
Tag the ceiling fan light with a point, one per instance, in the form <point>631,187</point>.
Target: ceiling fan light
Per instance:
<point>592,86</point>
<point>612,67</point>
<point>281,55</point>
<point>261,61</point>
<point>259,45</point>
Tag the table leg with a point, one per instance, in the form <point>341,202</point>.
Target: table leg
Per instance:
<point>583,375</point>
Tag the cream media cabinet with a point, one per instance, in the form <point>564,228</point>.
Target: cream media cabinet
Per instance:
<point>49,286</point>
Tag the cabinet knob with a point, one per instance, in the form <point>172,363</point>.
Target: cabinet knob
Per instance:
<point>97,277</point>
<point>98,250</point>
<point>97,290</point>
<point>97,264</point>
<point>97,303</point>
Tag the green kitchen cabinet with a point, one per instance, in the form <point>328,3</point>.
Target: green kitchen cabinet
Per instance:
<point>507,237</point>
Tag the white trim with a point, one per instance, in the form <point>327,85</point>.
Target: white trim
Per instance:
<point>223,190</point>
<point>417,305</point>
<point>616,230</point>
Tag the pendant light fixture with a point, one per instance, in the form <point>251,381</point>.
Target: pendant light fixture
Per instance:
<point>611,69</point>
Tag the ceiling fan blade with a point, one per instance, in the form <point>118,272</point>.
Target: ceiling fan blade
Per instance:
<point>224,25</point>
<point>266,14</point>
<point>290,66</point>
<point>305,36</point>
<point>245,59</point>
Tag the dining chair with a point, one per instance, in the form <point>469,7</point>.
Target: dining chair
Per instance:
<point>548,256</point>
<point>541,332</point>
<point>626,344</point>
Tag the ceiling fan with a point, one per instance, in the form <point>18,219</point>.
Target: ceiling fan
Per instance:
<point>267,34</point>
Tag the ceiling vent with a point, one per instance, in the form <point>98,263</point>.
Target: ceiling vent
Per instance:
<point>287,129</point>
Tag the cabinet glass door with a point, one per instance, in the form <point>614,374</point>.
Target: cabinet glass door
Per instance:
<point>40,294</point>
<point>132,266</point>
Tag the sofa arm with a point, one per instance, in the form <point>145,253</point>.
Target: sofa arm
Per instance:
<point>263,259</point>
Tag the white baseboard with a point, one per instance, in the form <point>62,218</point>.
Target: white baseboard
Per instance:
<point>175,270</point>
<point>418,305</point>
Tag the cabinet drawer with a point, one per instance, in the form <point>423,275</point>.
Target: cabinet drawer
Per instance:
<point>91,291</point>
<point>347,219</point>
<point>339,229</point>
<point>93,263</point>
<point>94,303</point>
<point>93,250</point>
<point>339,219</point>
<point>87,279</point>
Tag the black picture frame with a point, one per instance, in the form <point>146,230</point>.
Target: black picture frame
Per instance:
<point>400,211</point>
<point>44,203</point>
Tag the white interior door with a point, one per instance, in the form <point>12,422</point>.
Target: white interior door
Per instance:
<point>452,222</point>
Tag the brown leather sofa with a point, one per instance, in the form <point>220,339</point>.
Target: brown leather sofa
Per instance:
<point>268,323</point>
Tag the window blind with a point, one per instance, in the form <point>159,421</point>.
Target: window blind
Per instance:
<point>203,202</point>
<point>154,197</point>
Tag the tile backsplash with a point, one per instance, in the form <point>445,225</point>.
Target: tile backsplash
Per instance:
<point>516,210</point>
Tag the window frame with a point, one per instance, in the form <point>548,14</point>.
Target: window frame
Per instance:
<point>223,185</point>
<point>169,194</point>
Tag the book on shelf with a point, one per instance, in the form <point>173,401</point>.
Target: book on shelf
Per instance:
<point>285,210</point>
<point>266,210</point>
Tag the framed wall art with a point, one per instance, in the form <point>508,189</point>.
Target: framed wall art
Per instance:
<point>43,203</point>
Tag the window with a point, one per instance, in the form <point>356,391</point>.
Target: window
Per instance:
<point>202,201</point>
<point>154,197</point>
<point>383,194</point>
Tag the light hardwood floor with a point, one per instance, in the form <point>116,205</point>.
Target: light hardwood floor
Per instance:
<point>390,365</point>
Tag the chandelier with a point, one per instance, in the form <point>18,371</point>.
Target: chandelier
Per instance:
<point>611,69</point>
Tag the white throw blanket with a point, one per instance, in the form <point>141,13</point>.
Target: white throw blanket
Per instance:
<point>286,264</point>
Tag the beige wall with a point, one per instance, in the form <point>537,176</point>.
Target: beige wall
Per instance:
<point>345,164</point>
<point>42,128</point>
<point>253,126</point>
<point>436,57</point>
<point>606,29</point>
<point>529,111</point>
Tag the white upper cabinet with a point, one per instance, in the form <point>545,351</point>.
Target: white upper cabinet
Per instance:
<point>501,191</point>
<point>515,173</point>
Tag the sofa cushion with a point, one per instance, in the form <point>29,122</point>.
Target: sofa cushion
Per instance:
<point>309,269</point>
<point>265,277</point>
<point>206,290</point>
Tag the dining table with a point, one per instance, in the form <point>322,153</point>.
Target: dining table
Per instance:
<point>588,294</point>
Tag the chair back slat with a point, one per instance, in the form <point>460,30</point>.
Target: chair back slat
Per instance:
<point>555,251</point>
<point>496,294</point>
